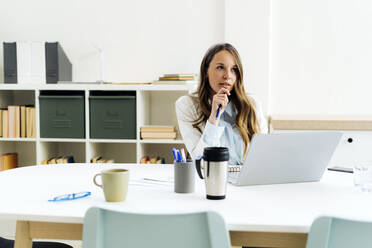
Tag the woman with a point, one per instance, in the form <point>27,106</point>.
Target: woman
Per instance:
<point>220,113</point>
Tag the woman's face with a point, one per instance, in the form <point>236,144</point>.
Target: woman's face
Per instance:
<point>222,71</point>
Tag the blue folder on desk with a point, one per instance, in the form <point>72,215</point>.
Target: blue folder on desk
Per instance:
<point>286,158</point>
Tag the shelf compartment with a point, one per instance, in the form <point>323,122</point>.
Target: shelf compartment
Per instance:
<point>16,97</point>
<point>158,107</point>
<point>112,114</point>
<point>26,151</point>
<point>62,114</point>
<point>161,150</point>
<point>57,149</point>
<point>120,152</point>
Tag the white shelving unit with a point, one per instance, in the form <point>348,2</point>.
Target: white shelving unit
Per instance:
<point>154,106</point>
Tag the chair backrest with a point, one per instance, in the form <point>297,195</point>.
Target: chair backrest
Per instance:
<point>328,232</point>
<point>105,228</point>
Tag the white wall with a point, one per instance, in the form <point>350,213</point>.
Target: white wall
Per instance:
<point>321,57</point>
<point>299,56</point>
<point>248,29</point>
<point>142,39</point>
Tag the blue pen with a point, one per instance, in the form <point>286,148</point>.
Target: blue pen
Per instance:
<point>179,158</point>
<point>174,151</point>
<point>218,111</point>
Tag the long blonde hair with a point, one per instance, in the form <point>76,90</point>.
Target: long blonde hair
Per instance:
<point>246,120</point>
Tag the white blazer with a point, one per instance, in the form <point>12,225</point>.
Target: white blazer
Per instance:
<point>186,110</point>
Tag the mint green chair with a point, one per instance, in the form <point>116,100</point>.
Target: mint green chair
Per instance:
<point>105,228</point>
<point>328,232</point>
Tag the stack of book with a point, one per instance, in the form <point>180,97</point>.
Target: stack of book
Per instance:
<point>158,132</point>
<point>175,79</point>
<point>18,122</point>
<point>99,159</point>
<point>8,161</point>
<point>59,160</point>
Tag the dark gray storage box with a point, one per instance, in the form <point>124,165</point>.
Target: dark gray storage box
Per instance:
<point>112,114</point>
<point>62,114</point>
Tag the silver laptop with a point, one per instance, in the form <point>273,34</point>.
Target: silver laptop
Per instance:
<point>286,158</point>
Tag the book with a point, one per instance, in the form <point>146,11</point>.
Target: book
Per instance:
<point>14,121</point>
<point>23,122</point>
<point>58,66</point>
<point>8,161</point>
<point>30,62</point>
<point>23,62</point>
<point>37,63</point>
<point>1,123</point>
<point>5,124</point>
<point>10,62</point>
<point>33,128</point>
<point>28,122</point>
<point>158,135</point>
<point>176,78</point>
<point>179,75</point>
<point>155,128</point>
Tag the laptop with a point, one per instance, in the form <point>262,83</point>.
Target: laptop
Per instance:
<point>286,158</point>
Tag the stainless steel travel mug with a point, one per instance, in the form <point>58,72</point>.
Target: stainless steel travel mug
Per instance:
<point>214,171</point>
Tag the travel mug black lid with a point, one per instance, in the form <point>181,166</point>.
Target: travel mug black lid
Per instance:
<point>216,154</point>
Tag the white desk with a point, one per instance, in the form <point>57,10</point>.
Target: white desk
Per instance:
<point>261,216</point>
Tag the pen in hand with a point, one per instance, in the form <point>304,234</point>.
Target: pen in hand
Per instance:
<point>218,110</point>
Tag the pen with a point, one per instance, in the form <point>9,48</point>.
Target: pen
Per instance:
<point>174,151</point>
<point>179,159</point>
<point>183,155</point>
<point>218,111</point>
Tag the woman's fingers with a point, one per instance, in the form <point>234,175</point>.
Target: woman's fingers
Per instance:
<point>219,101</point>
<point>224,91</point>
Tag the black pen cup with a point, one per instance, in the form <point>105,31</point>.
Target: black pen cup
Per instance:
<point>184,177</point>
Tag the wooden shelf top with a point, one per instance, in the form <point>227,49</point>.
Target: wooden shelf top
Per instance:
<point>321,122</point>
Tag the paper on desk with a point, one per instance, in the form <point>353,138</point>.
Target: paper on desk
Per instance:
<point>147,181</point>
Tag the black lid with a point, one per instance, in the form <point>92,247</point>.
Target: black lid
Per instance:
<point>216,154</point>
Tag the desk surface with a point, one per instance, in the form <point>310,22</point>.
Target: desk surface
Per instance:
<point>24,194</point>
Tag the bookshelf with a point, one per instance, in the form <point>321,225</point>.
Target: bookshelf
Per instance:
<point>154,106</point>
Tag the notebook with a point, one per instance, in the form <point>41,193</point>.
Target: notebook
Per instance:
<point>286,158</point>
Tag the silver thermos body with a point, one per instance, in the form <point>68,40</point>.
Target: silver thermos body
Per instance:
<point>212,167</point>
